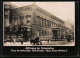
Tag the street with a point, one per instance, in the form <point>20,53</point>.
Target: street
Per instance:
<point>44,43</point>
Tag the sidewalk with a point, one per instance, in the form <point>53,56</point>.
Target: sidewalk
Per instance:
<point>59,43</point>
<point>53,43</point>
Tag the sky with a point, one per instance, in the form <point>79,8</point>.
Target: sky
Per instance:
<point>63,10</point>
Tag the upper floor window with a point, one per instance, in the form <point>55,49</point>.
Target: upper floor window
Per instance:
<point>48,33</point>
<point>28,17</point>
<point>54,25</point>
<point>38,20</point>
<point>48,23</point>
<point>21,20</point>
<point>42,22</point>
<point>45,22</point>
<point>58,26</point>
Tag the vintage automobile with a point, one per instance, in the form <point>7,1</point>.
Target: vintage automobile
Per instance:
<point>35,40</point>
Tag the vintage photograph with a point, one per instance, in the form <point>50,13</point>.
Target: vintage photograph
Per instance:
<point>38,23</point>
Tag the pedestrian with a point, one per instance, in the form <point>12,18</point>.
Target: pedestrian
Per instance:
<point>48,40</point>
<point>40,42</point>
<point>31,40</point>
<point>14,39</point>
<point>21,41</point>
<point>68,38</point>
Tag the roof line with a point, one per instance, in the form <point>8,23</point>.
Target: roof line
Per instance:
<point>50,13</point>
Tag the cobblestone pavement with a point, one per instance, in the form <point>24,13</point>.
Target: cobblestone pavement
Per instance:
<point>52,43</point>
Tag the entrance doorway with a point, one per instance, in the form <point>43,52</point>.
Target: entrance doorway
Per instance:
<point>55,35</point>
<point>26,34</point>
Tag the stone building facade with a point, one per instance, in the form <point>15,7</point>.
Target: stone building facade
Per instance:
<point>33,21</point>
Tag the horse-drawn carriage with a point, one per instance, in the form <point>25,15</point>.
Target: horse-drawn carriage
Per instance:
<point>35,41</point>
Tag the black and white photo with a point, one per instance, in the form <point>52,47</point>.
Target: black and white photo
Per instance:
<point>39,28</point>
<point>36,23</point>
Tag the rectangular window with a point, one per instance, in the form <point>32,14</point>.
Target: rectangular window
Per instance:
<point>42,23</point>
<point>28,17</point>
<point>41,33</point>
<point>21,20</point>
<point>58,26</point>
<point>44,33</point>
<point>45,23</point>
<point>50,24</point>
<point>38,20</point>
<point>54,25</point>
<point>48,33</point>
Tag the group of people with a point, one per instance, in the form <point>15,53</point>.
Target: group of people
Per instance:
<point>37,41</point>
<point>33,40</point>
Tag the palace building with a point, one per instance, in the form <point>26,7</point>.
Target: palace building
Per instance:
<point>33,21</point>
